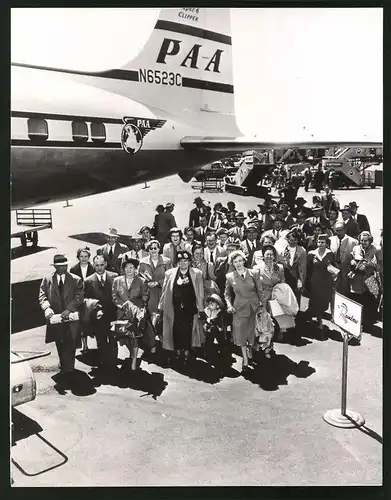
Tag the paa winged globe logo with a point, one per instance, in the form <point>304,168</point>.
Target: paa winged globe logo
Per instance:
<point>134,131</point>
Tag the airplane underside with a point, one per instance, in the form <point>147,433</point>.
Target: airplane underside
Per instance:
<point>46,174</point>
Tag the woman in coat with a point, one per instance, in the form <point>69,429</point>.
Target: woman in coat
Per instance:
<point>83,269</point>
<point>207,270</point>
<point>364,265</point>
<point>271,274</point>
<point>181,302</point>
<point>176,245</point>
<point>319,281</point>
<point>152,269</point>
<point>246,286</point>
<point>294,260</point>
<point>130,295</point>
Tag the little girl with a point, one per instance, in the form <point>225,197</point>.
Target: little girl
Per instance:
<point>264,331</point>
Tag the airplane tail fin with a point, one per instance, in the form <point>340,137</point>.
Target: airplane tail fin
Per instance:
<point>185,68</point>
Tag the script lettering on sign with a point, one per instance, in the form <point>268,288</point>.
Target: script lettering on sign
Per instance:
<point>347,314</point>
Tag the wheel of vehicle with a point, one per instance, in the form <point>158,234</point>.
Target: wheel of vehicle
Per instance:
<point>34,239</point>
<point>373,186</point>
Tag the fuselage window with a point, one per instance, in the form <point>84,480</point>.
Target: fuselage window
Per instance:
<point>37,130</point>
<point>98,132</point>
<point>79,132</point>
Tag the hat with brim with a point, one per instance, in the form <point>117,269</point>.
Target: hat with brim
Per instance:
<point>198,200</point>
<point>251,227</point>
<point>346,208</point>
<point>170,205</point>
<point>353,204</point>
<point>302,214</point>
<point>221,230</point>
<point>144,228</point>
<point>215,298</point>
<point>300,201</point>
<point>112,233</point>
<point>240,215</point>
<point>129,260</point>
<point>60,260</point>
<point>136,237</point>
<point>316,207</point>
<point>234,242</point>
<point>278,217</point>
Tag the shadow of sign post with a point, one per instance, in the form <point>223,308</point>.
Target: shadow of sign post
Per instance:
<point>347,316</point>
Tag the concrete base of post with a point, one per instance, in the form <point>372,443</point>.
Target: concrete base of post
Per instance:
<point>351,418</point>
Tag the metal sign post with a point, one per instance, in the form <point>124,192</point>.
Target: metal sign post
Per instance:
<point>347,313</point>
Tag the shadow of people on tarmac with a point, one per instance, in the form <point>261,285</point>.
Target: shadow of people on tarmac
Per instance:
<point>270,373</point>
<point>78,382</point>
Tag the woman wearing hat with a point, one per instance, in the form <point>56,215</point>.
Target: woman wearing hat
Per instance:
<point>294,260</point>
<point>363,266</point>
<point>320,279</point>
<point>243,295</point>
<point>176,245</point>
<point>131,295</point>
<point>83,269</point>
<point>181,301</point>
<point>152,269</point>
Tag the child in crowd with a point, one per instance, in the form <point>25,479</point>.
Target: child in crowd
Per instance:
<point>264,331</point>
<point>213,326</point>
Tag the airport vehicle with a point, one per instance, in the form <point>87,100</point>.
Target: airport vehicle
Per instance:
<point>28,223</point>
<point>169,110</point>
<point>215,170</point>
<point>349,171</point>
<point>23,383</point>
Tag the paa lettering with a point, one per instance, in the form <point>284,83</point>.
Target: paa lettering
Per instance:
<point>172,47</point>
<point>143,123</point>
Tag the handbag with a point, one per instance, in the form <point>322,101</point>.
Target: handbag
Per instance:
<point>372,285</point>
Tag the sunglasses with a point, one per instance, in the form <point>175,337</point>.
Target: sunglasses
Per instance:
<point>154,248</point>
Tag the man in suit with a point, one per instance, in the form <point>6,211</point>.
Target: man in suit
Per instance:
<point>329,200</point>
<point>361,219</point>
<point>98,286</point>
<point>251,243</point>
<point>112,250</point>
<point>351,226</point>
<point>278,231</point>
<point>212,251</point>
<point>62,293</point>
<point>287,219</point>
<point>201,230</point>
<point>318,217</point>
<point>302,225</point>
<point>238,231</point>
<point>341,245</point>
<point>216,218</point>
<point>265,218</point>
<point>300,202</point>
<point>222,237</point>
<point>137,252</point>
<point>195,213</point>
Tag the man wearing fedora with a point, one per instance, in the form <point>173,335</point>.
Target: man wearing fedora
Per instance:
<point>238,231</point>
<point>216,218</point>
<point>351,226</point>
<point>195,213</point>
<point>318,217</point>
<point>361,219</point>
<point>287,220</point>
<point>112,250</point>
<point>265,217</point>
<point>62,293</point>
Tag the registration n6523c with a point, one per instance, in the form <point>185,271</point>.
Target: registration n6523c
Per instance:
<point>160,77</point>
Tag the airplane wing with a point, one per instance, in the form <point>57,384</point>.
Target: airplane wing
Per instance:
<point>243,143</point>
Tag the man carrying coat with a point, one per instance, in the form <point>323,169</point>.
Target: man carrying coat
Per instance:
<point>99,286</point>
<point>62,293</point>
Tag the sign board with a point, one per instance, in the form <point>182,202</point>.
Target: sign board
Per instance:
<point>347,314</point>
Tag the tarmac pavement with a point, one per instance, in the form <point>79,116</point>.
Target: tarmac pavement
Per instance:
<point>175,426</point>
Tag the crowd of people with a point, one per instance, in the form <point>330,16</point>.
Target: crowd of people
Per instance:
<point>227,278</point>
